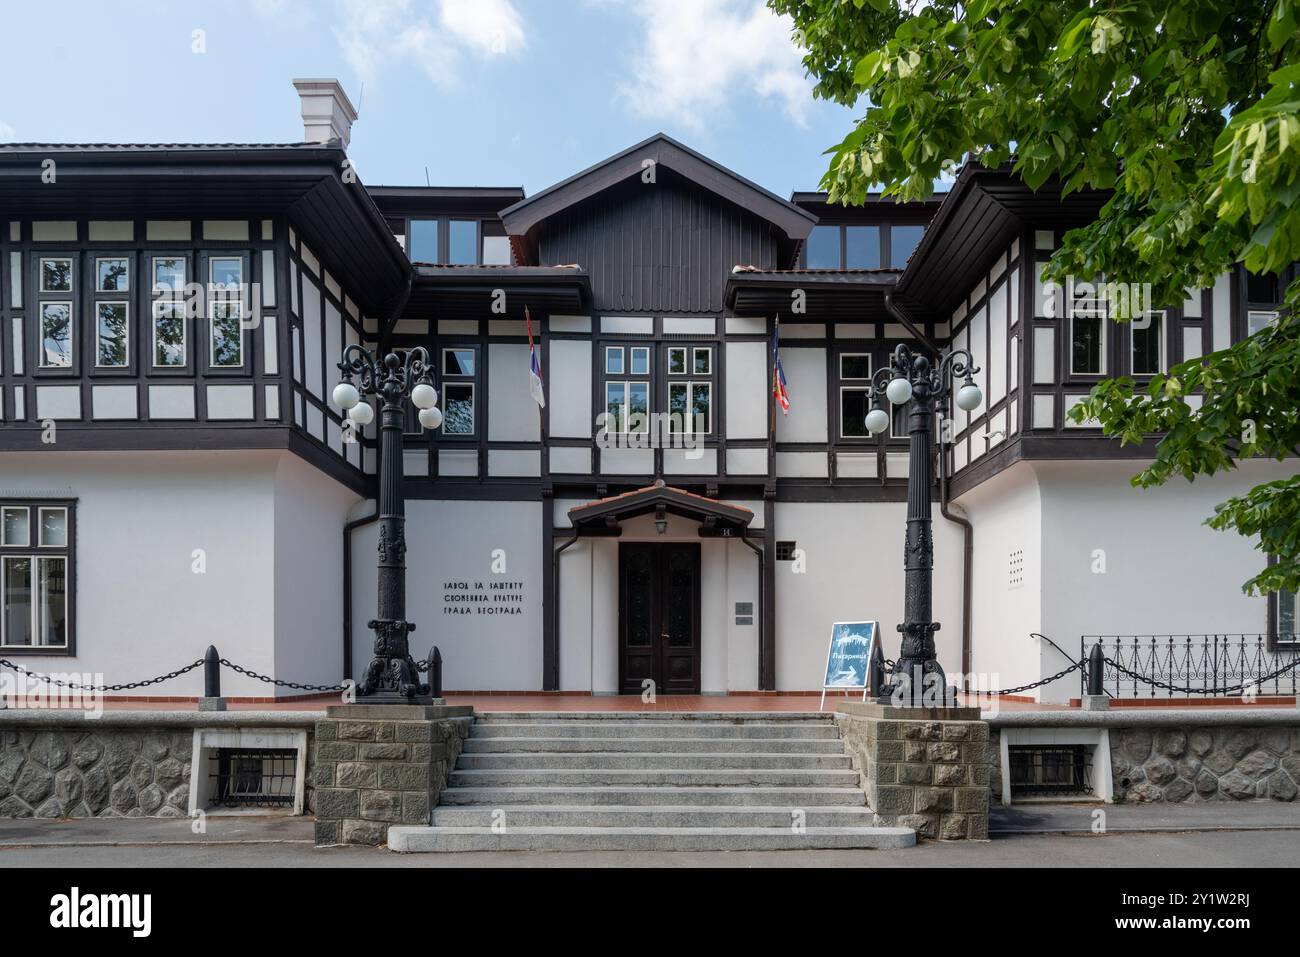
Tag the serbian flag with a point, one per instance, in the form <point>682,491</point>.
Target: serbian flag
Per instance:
<point>535,384</point>
<point>778,374</point>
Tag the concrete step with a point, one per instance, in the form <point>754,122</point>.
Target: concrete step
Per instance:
<point>585,815</point>
<point>653,796</point>
<point>821,730</point>
<point>673,717</point>
<point>727,777</point>
<point>450,839</point>
<point>492,745</point>
<point>649,761</point>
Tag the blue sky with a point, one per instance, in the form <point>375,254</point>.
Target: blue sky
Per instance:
<point>482,92</point>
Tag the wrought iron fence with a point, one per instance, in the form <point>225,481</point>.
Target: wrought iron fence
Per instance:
<point>1145,666</point>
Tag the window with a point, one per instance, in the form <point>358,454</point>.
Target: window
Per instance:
<point>861,247</point>
<point>112,275</point>
<point>1148,344</point>
<point>226,321</point>
<point>423,243</point>
<point>855,366</point>
<point>824,247</point>
<point>640,360</point>
<point>1087,344</point>
<point>613,360</point>
<point>458,363</point>
<point>690,403</point>
<point>1262,287</point>
<point>902,241</point>
<point>170,318</point>
<point>628,406</point>
<point>1284,626</point>
<point>855,398</point>
<point>112,335</point>
<point>168,333</point>
<point>1258,320</point>
<point>168,275</point>
<point>462,242</point>
<point>56,335</point>
<point>785,551</point>
<point>226,274</point>
<point>35,590</point>
<point>56,275</point>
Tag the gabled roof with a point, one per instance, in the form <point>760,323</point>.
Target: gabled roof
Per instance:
<point>524,216</point>
<point>655,498</point>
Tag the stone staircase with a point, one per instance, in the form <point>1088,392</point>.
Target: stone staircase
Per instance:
<point>654,781</point>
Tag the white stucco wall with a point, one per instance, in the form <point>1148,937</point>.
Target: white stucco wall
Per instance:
<point>1104,558</point>
<point>143,604</point>
<point>456,541</point>
<point>310,511</point>
<point>854,572</point>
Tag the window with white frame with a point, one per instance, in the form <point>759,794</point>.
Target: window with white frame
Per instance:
<point>627,388</point>
<point>56,335</point>
<point>1259,319</point>
<point>690,389</point>
<point>1148,343</point>
<point>112,334</point>
<point>855,394</point>
<point>113,274</point>
<point>226,312</point>
<point>56,275</point>
<point>170,313</point>
<point>459,369</point>
<point>35,569</point>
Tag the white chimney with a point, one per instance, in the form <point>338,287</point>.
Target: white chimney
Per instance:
<point>327,113</point>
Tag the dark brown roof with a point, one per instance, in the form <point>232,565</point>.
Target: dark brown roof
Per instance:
<point>652,498</point>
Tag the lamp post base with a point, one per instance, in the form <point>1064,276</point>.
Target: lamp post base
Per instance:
<point>918,683</point>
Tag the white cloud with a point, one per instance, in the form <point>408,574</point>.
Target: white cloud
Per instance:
<point>436,34</point>
<point>695,58</point>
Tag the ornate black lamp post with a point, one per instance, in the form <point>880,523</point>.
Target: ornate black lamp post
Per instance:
<point>392,676</point>
<point>917,679</point>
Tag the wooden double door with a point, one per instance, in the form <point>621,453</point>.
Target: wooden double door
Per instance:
<point>659,617</point>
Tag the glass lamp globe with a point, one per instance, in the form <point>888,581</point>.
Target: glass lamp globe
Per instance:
<point>424,395</point>
<point>899,391</point>
<point>877,421</point>
<point>969,397</point>
<point>346,395</point>
<point>361,414</point>
<point>431,418</point>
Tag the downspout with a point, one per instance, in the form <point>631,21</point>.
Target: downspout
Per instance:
<point>762,621</point>
<point>967,529</point>
<point>350,527</point>
<point>555,604</point>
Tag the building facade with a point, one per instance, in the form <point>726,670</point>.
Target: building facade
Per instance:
<point>173,472</point>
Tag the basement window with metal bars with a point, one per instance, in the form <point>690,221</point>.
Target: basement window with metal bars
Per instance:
<point>1059,770</point>
<point>254,778</point>
<point>785,551</point>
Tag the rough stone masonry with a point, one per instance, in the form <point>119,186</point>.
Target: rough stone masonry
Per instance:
<point>377,765</point>
<point>927,769</point>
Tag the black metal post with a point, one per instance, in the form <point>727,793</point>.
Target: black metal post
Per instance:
<point>1096,671</point>
<point>917,679</point>
<point>392,676</point>
<point>211,673</point>
<point>435,672</point>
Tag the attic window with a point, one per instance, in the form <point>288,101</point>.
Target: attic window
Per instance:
<point>785,551</point>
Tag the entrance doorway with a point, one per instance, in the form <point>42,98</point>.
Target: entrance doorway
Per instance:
<point>659,617</point>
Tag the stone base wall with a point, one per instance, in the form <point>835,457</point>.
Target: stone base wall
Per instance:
<point>1205,763</point>
<point>372,771</point>
<point>95,772</point>
<point>929,775</point>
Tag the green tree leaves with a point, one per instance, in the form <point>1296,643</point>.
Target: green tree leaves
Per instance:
<point>1189,112</point>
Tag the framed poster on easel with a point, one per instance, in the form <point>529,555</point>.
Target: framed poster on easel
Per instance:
<point>848,659</point>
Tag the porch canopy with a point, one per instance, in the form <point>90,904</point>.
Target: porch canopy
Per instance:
<point>602,517</point>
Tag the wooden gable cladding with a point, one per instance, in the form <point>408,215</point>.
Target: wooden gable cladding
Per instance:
<point>666,246</point>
